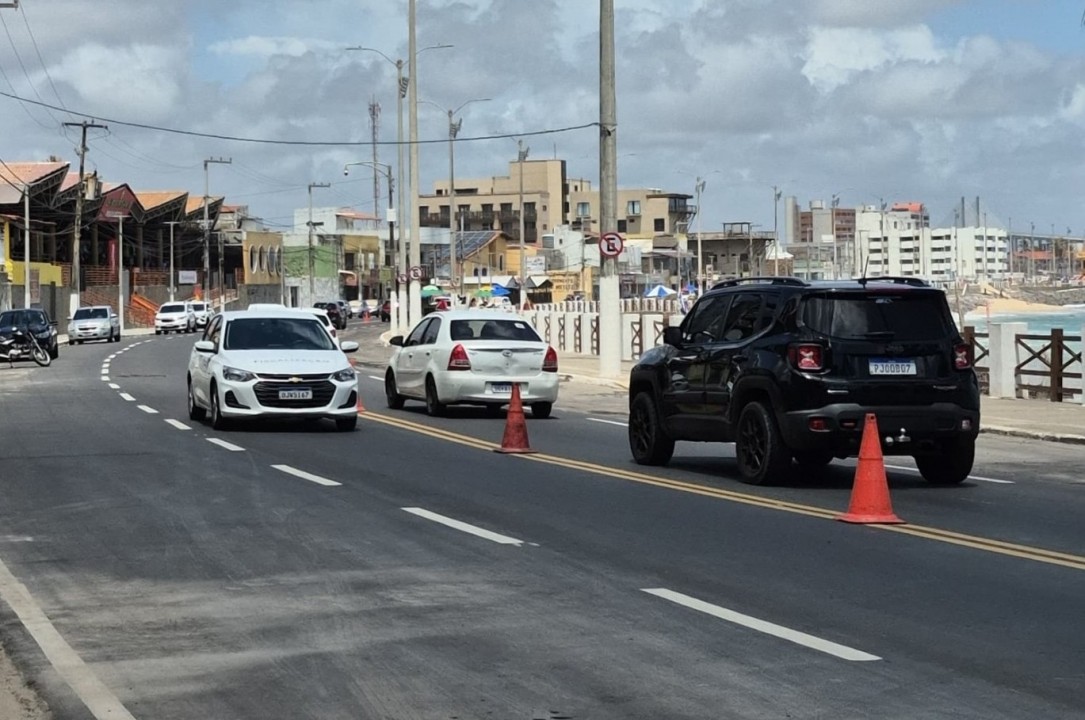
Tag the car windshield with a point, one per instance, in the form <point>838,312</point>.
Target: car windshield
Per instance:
<point>486,329</point>
<point>274,333</point>
<point>881,316</point>
<point>19,318</point>
<point>91,314</point>
<point>323,319</point>
<point>199,307</point>
<point>172,309</point>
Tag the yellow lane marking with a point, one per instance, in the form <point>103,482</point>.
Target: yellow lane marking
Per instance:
<point>999,547</point>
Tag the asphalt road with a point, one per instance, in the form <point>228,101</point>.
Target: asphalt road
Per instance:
<point>407,571</point>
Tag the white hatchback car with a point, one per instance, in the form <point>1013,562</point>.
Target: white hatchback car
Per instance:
<point>472,357</point>
<point>275,363</point>
<point>202,311</point>
<point>175,317</point>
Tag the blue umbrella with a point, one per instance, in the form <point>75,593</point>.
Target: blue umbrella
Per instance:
<point>659,291</point>
<point>500,291</point>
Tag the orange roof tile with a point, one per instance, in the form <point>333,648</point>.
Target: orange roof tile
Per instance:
<point>150,199</point>
<point>29,172</point>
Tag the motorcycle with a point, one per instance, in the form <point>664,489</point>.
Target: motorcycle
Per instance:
<point>22,345</point>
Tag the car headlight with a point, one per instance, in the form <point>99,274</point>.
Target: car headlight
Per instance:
<point>345,375</point>
<point>235,375</point>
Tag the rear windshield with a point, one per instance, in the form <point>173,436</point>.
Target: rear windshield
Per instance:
<point>901,317</point>
<point>199,307</point>
<point>492,330</point>
<point>91,314</point>
<point>172,308</point>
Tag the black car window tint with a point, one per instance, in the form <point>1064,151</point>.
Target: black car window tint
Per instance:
<point>742,318</point>
<point>431,332</point>
<point>416,335</point>
<point>881,316</point>
<point>704,313</point>
<point>770,302</point>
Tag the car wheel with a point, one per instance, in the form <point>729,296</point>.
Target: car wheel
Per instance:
<point>346,424</point>
<point>217,421</point>
<point>71,342</point>
<point>541,410</point>
<point>195,412</point>
<point>114,336</point>
<point>156,332</point>
<point>54,352</point>
<point>762,456</point>
<point>811,459</point>
<point>391,392</point>
<point>79,341</point>
<point>949,467</point>
<point>648,440</point>
<point>434,406</point>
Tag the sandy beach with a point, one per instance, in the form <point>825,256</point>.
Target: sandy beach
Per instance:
<point>1011,306</point>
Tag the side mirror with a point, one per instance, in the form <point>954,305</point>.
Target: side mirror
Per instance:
<point>53,323</point>
<point>348,346</point>
<point>69,318</point>
<point>673,336</point>
<point>397,341</point>
<point>204,346</point>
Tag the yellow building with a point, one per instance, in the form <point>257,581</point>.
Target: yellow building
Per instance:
<point>12,242</point>
<point>262,253</point>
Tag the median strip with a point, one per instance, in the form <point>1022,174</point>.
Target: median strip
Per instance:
<point>464,527</point>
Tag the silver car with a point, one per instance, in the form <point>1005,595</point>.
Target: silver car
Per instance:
<point>95,322</point>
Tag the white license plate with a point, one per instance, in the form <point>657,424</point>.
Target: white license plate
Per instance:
<point>299,394</point>
<point>892,367</point>
<point>501,388</point>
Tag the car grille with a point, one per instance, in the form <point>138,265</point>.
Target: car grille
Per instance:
<point>267,393</point>
<point>301,376</point>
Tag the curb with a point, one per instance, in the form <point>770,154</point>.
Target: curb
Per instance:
<point>592,380</point>
<point>1033,434</point>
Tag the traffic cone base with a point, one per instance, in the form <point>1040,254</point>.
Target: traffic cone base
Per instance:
<point>515,437</point>
<point>870,502</point>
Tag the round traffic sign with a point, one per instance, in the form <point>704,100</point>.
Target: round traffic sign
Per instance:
<point>402,278</point>
<point>416,272</point>
<point>611,244</point>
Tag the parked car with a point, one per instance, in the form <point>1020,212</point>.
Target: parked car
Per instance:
<point>472,357</point>
<point>357,307</point>
<point>275,363</point>
<point>345,309</point>
<point>175,317</point>
<point>94,322</point>
<point>36,321</point>
<point>325,320</point>
<point>788,369</point>
<point>203,312</point>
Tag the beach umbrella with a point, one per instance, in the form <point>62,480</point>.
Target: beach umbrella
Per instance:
<point>483,293</point>
<point>431,290</point>
<point>500,291</point>
<point>659,291</point>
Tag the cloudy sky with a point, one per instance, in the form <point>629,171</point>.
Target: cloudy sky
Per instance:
<point>924,100</point>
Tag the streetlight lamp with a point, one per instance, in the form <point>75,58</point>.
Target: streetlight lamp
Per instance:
<point>311,224</point>
<point>399,260</point>
<point>455,279</point>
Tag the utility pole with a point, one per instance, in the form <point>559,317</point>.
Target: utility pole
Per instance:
<point>776,230</point>
<point>78,229</point>
<point>26,246</point>
<point>414,313</point>
<point>207,230</point>
<point>521,155</point>
<point>453,131</point>
<point>374,125</point>
<point>610,356</point>
<point>173,274</point>
<point>699,188</point>
<point>311,224</point>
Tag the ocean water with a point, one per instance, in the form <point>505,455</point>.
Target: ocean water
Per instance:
<point>1071,319</point>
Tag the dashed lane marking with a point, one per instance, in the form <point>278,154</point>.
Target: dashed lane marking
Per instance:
<point>306,476</point>
<point>178,424</point>
<point>227,445</point>
<point>114,386</point>
<point>127,397</point>
<point>607,422</point>
<point>784,633</point>
<point>148,409</point>
<point>375,377</point>
<point>464,527</point>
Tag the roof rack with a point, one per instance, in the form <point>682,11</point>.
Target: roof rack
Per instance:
<point>770,280</point>
<point>896,280</point>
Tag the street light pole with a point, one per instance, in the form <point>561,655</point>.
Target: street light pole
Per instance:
<point>699,188</point>
<point>173,275</point>
<point>387,170</point>
<point>207,228</point>
<point>776,230</point>
<point>521,155</point>
<point>312,259</point>
<point>26,246</point>
<point>610,358</point>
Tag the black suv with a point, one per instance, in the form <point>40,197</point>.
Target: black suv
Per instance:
<point>35,320</point>
<point>786,369</point>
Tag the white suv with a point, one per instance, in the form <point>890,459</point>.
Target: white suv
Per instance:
<point>202,310</point>
<point>175,317</point>
<point>271,363</point>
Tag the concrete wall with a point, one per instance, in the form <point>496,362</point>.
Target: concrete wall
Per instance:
<point>54,299</point>
<point>249,294</point>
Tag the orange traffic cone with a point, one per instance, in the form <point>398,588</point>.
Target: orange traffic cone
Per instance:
<point>515,438</point>
<point>870,491</point>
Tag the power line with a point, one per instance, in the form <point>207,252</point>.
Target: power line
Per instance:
<point>26,74</point>
<point>305,143</point>
<point>34,40</point>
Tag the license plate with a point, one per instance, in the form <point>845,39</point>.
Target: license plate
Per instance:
<point>892,367</point>
<point>501,388</point>
<point>296,394</point>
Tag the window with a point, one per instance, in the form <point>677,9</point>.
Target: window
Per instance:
<point>349,259</point>
<point>91,314</point>
<point>583,209</point>
<point>492,330</point>
<point>741,321</point>
<point>415,338</point>
<point>430,336</point>
<point>267,333</point>
<point>660,225</point>
<point>632,207</point>
<point>623,226</point>
<point>529,208</point>
<point>894,317</point>
<point>705,312</point>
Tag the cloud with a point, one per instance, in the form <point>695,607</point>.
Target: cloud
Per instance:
<point>266,47</point>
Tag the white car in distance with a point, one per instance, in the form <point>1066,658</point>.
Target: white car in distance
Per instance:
<point>174,317</point>
<point>472,357</point>
<point>271,364</point>
<point>94,322</point>
<point>202,311</point>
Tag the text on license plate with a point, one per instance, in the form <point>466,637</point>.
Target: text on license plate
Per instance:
<point>296,394</point>
<point>892,367</point>
<point>501,388</point>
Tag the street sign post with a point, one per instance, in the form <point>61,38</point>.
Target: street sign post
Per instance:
<point>416,272</point>
<point>611,245</point>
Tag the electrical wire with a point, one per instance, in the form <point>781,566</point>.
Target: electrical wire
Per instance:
<point>34,40</point>
<point>300,143</point>
<point>26,74</point>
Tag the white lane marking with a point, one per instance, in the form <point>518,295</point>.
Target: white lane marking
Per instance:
<point>903,468</point>
<point>608,422</point>
<point>127,397</point>
<point>105,378</point>
<point>306,476</point>
<point>114,386</point>
<point>464,527</point>
<point>375,377</point>
<point>147,409</point>
<point>799,638</point>
<point>99,699</point>
<point>223,444</point>
<point>178,424</point>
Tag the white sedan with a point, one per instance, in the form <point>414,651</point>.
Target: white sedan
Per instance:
<point>472,357</point>
<point>271,363</point>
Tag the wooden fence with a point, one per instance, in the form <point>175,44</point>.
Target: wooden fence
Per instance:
<point>1045,366</point>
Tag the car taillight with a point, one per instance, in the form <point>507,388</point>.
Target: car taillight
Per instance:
<point>550,362</point>
<point>807,357</point>
<point>458,360</point>
<point>962,356</point>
